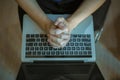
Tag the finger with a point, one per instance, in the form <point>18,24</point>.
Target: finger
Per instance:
<point>60,19</point>
<point>55,31</point>
<point>56,42</point>
<point>64,43</point>
<point>52,31</point>
<point>59,41</point>
<point>64,36</point>
<point>54,45</point>
<point>61,23</point>
<point>58,31</point>
<point>55,39</point>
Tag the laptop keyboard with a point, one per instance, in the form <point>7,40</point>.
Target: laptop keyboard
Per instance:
<point>38,47</point>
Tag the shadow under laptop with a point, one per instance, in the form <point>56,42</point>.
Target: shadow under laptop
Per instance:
<point>59,71</point>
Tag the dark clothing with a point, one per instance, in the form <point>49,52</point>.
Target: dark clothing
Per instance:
<point>59,6</point>
<point>68,7</point>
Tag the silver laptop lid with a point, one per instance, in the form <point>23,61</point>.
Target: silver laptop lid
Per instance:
<point>30,27</point>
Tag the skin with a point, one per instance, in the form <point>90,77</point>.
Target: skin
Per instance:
<point>36,13</point>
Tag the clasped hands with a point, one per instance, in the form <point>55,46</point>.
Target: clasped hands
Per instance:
<point>59,33</point>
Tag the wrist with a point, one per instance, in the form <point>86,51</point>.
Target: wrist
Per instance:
<point>47,26</point>
<point>70,25</point>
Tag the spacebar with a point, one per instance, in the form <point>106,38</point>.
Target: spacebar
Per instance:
<point>71,56</point>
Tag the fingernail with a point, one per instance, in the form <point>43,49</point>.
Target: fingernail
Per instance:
<point>58,31</point>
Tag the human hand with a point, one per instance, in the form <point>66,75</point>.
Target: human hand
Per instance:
<point>59,34</point>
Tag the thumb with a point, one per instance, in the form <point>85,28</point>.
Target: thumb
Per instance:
<point>60,23</point>
<point>59,19</point>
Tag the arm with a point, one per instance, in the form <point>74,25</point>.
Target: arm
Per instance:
<point>86,9</point>
<point>36,13</point>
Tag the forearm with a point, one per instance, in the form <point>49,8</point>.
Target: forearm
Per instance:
<point>86,9</point>
<point>32,8</point>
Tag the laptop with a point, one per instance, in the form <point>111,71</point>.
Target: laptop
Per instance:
<point>75,61</point>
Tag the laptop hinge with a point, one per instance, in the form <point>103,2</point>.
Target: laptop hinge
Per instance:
<point>58,61</point>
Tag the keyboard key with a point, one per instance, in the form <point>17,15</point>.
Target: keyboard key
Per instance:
<point>71,44</point>
<point>34,53</point>
<point>32,35</point>
<point>73,48</point>
<point>57,53</point>
<point>45,48</point>
<point>76,44</point>
<point>84,40</point>
<point>78,39</point>
<point>80,52</point>
<point>50,48</point>
<point>32,48</point>
<point>68,48</point>
<point>41,35</point>
<point>36,48</point>
<point>44,44</point>
<point>76,53</point>
<point>60,49</point>
<point>88,35</point>
<point>71,52</point>
<point>74,40</point>
<point>84,36</point>
<point>80,44</point>
<point>28,35</point>
<point>88,44</point>
<point>55,48</point>
<point>62,53</point>
<point>71,40</point>
<point>89,53</point>
<point>85,44</point>
<point>28,53</point>
<point>74,36</point>
<point>39,53</point>
<point>43,53</point>
<point>38,40</point>
<point>45,40</point>
<point>30,40</point>
<point>41,48</point>
<point>47,53</point>
<point>82,48</point>
<point>66,53</point>
<point>27,48</point>
<point>79,35</point>
<point>64,48</point>
<point>35,44</point>
<point>78,48</point>
<point>29,44</point>
<point>89,40</point>
<point>85,52</point>
<point>42,40</point>
<point>40,44</point>
<point>36,35</point>
<point>88,48</point>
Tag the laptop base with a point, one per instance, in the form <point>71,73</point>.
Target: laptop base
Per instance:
<point>59,71</point>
